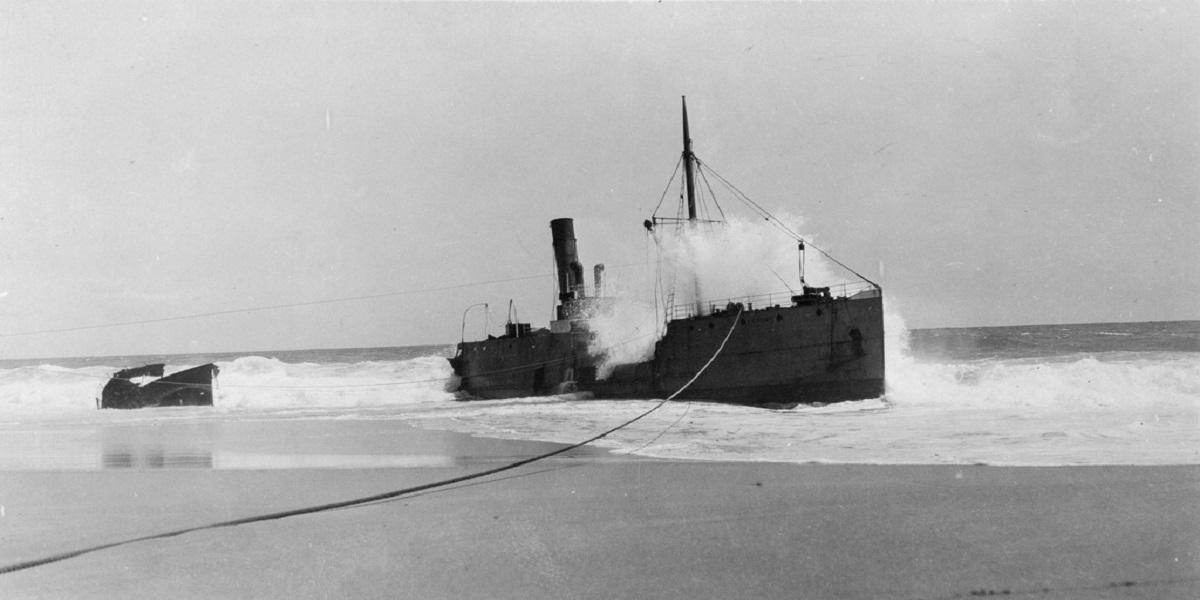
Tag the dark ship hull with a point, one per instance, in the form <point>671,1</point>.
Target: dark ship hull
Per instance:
<point>820,347</point>
<point>829,350</point>
<point>190,387</point>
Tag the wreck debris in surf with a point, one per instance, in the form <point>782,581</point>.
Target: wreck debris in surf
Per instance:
<point>142,387</point>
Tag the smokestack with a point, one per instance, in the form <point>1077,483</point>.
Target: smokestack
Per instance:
<point>566,259</point>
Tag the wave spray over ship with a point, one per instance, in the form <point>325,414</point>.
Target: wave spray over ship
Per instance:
<point>813,345</point>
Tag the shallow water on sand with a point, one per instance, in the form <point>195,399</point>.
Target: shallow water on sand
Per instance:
<point>189,438</point>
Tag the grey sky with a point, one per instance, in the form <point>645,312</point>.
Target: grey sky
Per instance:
<point>1007,163</point>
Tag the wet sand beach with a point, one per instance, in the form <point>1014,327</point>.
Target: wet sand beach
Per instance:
<point>584,525</point>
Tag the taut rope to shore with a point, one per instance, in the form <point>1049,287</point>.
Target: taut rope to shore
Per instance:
<point>29,564</point>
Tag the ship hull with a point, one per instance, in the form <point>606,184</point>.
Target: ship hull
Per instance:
<point>818,352</point>
<point>190,387</point>
<point>819,348</point>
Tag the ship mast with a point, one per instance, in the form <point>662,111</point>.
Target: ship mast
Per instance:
<point>688,161</point>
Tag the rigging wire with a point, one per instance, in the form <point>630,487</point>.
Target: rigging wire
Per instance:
<point>668,187</point>
<point>377,497</point>
<point>702,204</point>
<point>701,167</point>
<point>740,195</point>
<point>710,191</point>
<point>680,209</point>
<point>269,307</point>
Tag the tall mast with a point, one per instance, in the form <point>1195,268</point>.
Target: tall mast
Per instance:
<point>688,160</point>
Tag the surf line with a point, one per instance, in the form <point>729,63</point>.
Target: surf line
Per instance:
<point>381,384</point>
<point>29,564</point>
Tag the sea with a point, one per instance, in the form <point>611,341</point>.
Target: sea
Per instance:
<point>1044,395</point>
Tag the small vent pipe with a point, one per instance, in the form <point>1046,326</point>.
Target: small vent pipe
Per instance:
<point>598,275</point>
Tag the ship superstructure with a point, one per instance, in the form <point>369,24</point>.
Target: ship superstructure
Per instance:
<point>821,344</point>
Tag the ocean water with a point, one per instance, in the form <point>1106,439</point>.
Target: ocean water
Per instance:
<point>1116,393</point>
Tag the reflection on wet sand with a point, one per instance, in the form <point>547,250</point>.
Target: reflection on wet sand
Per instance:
<point>153,457</point>
<point>156,457</point>
<point>265,444</point>
<point>239,460</point>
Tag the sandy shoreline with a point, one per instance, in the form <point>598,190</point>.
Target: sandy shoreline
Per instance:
<point>600,526</point>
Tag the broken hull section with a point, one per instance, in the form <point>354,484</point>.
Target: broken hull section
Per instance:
<point>190,387</point>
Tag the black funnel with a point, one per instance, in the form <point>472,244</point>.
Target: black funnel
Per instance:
<point>566,259</point>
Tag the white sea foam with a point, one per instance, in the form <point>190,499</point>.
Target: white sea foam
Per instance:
<point>246,383</point>
<point>624,333</point>
<point>1082,410</point>
<point>1106,408</point>
<point>707,263</point>
<point>256,383</point>
<point>740,258</point>
<point>50,389</point>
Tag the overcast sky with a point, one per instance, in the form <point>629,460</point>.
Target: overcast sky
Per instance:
<point>989,163</point>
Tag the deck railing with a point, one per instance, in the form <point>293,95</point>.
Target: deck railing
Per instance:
<point>773,299</point>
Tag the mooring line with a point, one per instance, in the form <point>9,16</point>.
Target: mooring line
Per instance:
<point>377,497</point>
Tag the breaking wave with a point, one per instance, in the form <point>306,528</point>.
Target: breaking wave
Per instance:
<point>1122,381</point>
<point>1115,407</point>
<point>257,382</point>
<point>250,382</point>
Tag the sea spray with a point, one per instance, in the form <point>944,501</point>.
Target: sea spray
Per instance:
<point>251,383</point>
<point>739,260</point>
<point>624,332</point>
<point>47,388</point>
<point>898,359</point>
<point>257,382</point>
